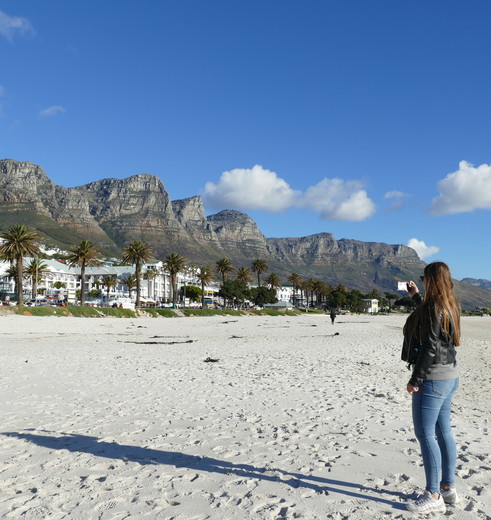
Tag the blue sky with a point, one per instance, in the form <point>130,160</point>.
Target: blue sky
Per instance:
<point>369,120</point>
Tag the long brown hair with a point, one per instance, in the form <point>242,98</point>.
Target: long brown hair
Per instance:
<point>440,293</point>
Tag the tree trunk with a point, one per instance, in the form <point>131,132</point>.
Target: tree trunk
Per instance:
<point>174,289</point>
<point>82,288</point>
<point>138,287</point>
<point>20,296</point>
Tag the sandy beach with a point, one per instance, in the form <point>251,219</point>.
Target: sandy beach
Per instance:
<point>296,418</point>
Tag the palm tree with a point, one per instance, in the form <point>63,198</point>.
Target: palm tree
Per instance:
<point>137,253</point>
<point>110,281</point>
<point>259,266</point>
<point>8,257</point>
<point>296,281</point>
<point>174,264</point>
<point>374,295</point>
<point>19,241</point>
<point>84,255</point>
<point>273,280</point>
<point>326,291</point>
<point>308,286</point>
<point>244,275</point>
<point>205,276</point>
<point>224,267</point>
<point>35,270</point>
<point>317,289</point>
<point>130,282</point>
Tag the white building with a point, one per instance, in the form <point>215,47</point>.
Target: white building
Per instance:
<point>155,287</point>
<point>370,306</point>
<point>285,293</point>
<point>55,272</point>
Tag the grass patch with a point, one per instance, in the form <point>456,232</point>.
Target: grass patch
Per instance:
<point>152,312</point>
<point>211,312</point>
<point>232,312</point>
<point>81,311</point>
<point>272,312</point>
<point>116,312</point>
<point>166,313</point>
<point>311,311</point>
<point>41,311</point>
<point>86,311</point>
<point>78,311</point>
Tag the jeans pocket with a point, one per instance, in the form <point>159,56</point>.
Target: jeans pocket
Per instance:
<point>442,388</point>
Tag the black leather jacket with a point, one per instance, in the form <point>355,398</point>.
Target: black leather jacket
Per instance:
<point>437,348</point>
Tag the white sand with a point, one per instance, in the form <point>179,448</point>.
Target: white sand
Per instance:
<point>106,419</point>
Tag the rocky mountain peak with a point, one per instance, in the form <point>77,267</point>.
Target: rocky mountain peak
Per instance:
<point>136,195</point>
<point>24,182</point>
<point>189,210</point>
<point>112,212</point>
<point>238,232</point>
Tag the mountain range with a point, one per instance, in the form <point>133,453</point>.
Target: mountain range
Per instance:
<point>483,284</point>
<point>113,212</point>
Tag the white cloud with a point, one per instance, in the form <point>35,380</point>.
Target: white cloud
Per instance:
<point>395,195</point>
<point>467,189</point>
<point>254,188</point>
<point>422,249</point>
<point>258,188</point>
<point>11,25</point>
<point>336,199</point>
<point>52,111</point>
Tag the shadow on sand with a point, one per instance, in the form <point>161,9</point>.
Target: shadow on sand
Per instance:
<point>146,456</point>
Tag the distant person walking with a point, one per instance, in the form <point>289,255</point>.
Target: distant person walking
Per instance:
<point>431,333</point>
<point>333,316</point>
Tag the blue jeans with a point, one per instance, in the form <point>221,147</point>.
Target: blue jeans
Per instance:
<point>431,417</point>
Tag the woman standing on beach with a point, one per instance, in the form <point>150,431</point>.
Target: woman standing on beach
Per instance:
<point>434,327</point>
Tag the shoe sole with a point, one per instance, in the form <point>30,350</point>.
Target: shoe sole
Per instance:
<point>451,502</point>
<point>441,509</point>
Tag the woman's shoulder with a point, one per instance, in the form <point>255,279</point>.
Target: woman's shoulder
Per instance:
<point>430,310</point>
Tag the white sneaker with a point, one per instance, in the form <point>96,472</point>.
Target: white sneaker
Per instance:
<point>427,504</point>
<point>450,496</point>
